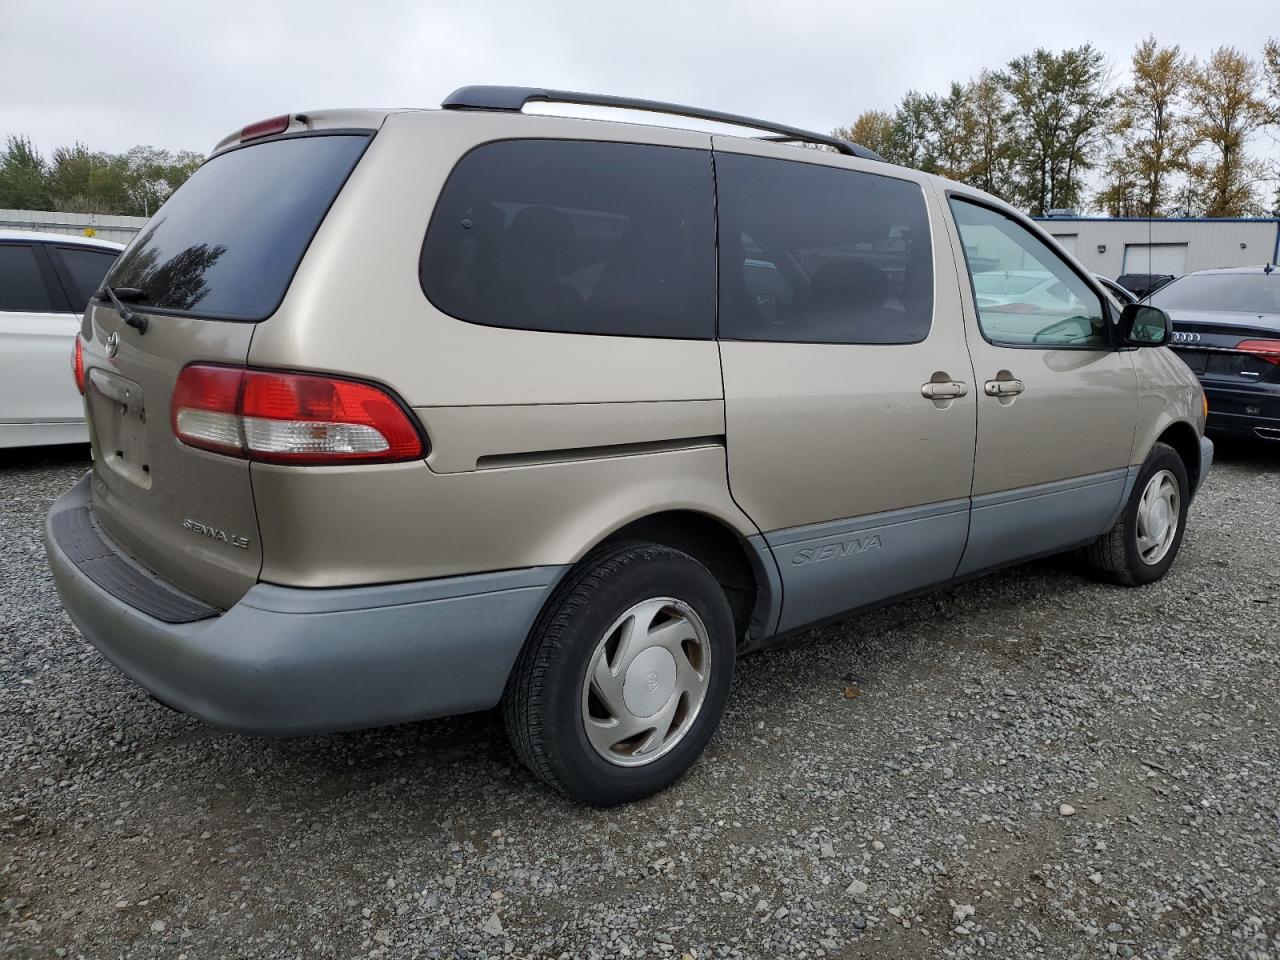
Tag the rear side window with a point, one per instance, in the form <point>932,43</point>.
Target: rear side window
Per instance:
<point>22,282</point>
<point>85,268</point>
<point>227,243</point>
<point>576,237</point>
<point>816,254</point>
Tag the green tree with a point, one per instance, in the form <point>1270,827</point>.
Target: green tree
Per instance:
<point>912,142</point>
<point>1060,106</point>
<point>151,175</point>
<point>1227,108</point>
<point>82,181</point>
<point>23,176</point>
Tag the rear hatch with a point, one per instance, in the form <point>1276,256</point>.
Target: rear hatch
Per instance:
<point>213,262</point>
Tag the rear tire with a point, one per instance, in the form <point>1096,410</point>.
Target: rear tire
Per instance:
<point>625,675</point>
<point>1141,547</point>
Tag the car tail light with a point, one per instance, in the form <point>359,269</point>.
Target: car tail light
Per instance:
<point>290,418</point>
<point>1268,350</point>
<point>265,128</point>
<point>77,363</point>
<point>205,410</point>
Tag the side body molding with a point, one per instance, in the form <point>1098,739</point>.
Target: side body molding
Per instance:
<point>1041,519</point>
<point>828,568</point>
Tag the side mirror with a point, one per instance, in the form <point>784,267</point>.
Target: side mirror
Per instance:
<point>1142,325</point>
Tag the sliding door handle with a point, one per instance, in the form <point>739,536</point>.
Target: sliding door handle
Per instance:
<point>1004,388</point>
<point>946,390</point>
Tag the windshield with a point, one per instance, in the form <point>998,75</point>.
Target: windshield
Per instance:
<point>228,242</point>
<point>1236,292</point>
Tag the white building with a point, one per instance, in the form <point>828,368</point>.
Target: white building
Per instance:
<point>100,225</point>
<point>1115,245</point>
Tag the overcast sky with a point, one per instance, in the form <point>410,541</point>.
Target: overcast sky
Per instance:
<point>179,74</point>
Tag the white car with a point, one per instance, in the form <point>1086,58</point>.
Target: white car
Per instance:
<point>46,280</point>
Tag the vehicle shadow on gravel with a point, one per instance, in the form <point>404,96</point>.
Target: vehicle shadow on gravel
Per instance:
<point>1261,454</point>
<point>27,458</point>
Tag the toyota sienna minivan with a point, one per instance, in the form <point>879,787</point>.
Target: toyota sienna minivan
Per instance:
<point>400,414</point>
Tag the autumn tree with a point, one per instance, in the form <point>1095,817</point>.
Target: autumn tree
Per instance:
<point>872,129</point>
<point>1226,109</point>
<point>986,124</point>
<point>1271,70</point>
<point>1060,105</point>
<point>1152,129</point>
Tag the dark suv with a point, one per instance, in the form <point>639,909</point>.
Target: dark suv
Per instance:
<point>1143,284</point>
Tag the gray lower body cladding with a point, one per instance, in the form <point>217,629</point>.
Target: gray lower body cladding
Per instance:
<point>287,661</point>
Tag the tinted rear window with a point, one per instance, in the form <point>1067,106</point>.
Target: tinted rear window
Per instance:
<point>86,268</point>
<point>816,254</point>
<point>1237,292</point>
<point>228,242</point>
<point>577,237</point>
<point>22,286</point>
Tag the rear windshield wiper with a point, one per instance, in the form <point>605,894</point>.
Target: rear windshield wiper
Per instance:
<point>118,296</point>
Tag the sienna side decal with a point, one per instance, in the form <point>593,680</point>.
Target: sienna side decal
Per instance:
<point>832,550</point>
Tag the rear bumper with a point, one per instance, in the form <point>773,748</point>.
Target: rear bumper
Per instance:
<point>1206,463</point>
<point>1253,414</point>
<point>287,661</point>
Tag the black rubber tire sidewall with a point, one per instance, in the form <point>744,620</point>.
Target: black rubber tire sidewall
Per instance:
<point>649,571</point>
<point>1162,457</point>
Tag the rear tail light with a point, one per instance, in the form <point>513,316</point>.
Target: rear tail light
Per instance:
<point>1268,350</point>
<point>290,418</point>
<point>77,363</point>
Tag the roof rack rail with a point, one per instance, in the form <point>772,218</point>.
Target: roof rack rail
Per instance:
<point>514,99</point>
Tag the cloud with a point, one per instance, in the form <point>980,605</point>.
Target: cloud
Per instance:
<point>181,75</point>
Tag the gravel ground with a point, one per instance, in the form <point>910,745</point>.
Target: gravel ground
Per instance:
<point>1029,764</point>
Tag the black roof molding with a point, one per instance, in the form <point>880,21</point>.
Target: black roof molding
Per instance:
<point>514,99</point>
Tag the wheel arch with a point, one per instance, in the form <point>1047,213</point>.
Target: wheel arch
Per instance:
<point>743,564</point>
<point>1185,441</point>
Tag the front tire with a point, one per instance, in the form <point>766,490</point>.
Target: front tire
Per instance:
<point>625,675</point>
<point>1144,542</point>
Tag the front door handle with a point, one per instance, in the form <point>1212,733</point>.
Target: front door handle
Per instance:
<point>1004,388</point>
<point>946,390</point>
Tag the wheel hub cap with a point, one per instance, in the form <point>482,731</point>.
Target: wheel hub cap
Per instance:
<point>1158,517</point>
<point>646,681</point>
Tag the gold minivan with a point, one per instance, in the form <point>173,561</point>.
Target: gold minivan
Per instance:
<point>400,414</point>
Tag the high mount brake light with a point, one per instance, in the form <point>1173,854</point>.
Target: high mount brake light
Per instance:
<point>77,363</point>
<point>290,418</point>
<point>265,128</point>
<point>1268,350</point>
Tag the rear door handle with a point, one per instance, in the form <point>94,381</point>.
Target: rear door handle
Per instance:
<point>946,390</point>
<point>1004,388</point>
